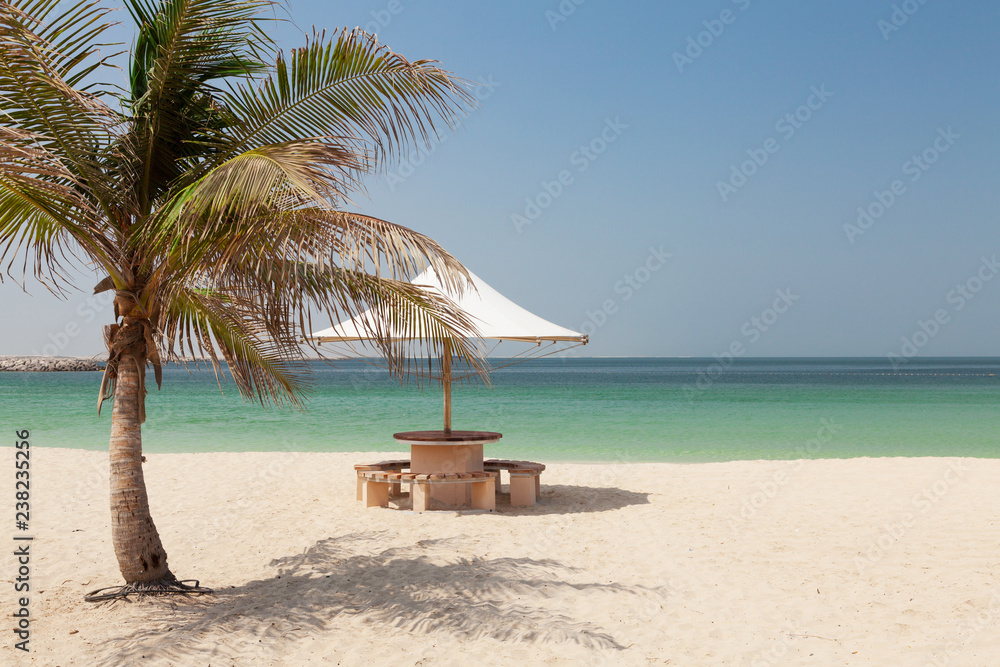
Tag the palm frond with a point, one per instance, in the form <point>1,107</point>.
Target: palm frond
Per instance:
<point>327,238</point>
<point>74,32</point>
<point>352,86</point>
<point>265,265</point>
<point>265,367</point>
<point>39,64</point>
<point>42,209</point>
<point>37,78</point>
<point>404,321</point>
<point>182,47</point>
<point>240,195</point>
<point>365,243</point>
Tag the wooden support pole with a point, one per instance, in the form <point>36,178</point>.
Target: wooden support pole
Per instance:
<point>446,382</point>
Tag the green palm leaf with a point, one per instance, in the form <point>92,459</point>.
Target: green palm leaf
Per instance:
<point>42,207</point>
<point>264,368</point>
<point>348,87</point>
<point>182,47</point>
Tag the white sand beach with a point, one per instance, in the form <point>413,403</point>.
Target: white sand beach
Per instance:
<point>833,562</point>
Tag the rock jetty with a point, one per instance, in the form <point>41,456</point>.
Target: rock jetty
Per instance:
<point>38,363</point>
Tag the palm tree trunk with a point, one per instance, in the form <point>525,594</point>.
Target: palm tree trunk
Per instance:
<point>141,557</point>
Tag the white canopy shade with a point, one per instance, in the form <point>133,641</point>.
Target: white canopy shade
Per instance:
<point>495,316</point>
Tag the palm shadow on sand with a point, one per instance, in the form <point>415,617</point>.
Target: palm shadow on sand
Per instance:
<point>421,588</point>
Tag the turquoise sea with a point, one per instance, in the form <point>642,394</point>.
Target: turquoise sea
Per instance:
<point>572,409</point>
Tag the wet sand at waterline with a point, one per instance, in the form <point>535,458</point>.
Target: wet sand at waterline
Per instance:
<point>823,562</point>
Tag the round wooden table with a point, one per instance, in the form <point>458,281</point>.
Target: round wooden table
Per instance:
<point>451,451</point>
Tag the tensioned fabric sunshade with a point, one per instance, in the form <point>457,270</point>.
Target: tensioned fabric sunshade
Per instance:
<point>495,317</point>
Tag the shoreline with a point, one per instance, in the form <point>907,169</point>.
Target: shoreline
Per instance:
<point>541,456</point>
<point>829,561</point>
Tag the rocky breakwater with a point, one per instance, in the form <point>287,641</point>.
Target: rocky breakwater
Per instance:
<point>38,363</point>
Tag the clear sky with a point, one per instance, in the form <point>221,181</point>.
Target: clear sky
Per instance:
<point>683,179</point>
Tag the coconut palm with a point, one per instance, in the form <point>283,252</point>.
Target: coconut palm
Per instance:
<point>208,193</point>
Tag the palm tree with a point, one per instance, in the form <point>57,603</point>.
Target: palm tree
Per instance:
<point>208,193</point>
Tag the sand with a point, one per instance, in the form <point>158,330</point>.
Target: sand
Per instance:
<point>831,562</point>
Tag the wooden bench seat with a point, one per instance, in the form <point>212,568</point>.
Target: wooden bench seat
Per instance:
<point>396,465</point>
<point>525,479</point>
<point>379,482</point>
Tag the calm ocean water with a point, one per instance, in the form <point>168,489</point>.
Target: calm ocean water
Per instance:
<point>565,409</point>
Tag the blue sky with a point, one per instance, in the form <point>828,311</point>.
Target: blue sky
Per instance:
<point>683,179</point>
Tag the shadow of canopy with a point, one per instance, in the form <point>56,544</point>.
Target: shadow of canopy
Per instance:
<point>572,499</point>
<point>555,499</point>
<point>421,588</point>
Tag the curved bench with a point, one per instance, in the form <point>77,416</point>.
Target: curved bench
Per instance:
<point>525,479</point>
<point>378,483</point>
<point>396,465</point>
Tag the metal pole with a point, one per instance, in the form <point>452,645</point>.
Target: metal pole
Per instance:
<point>446,382</point>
